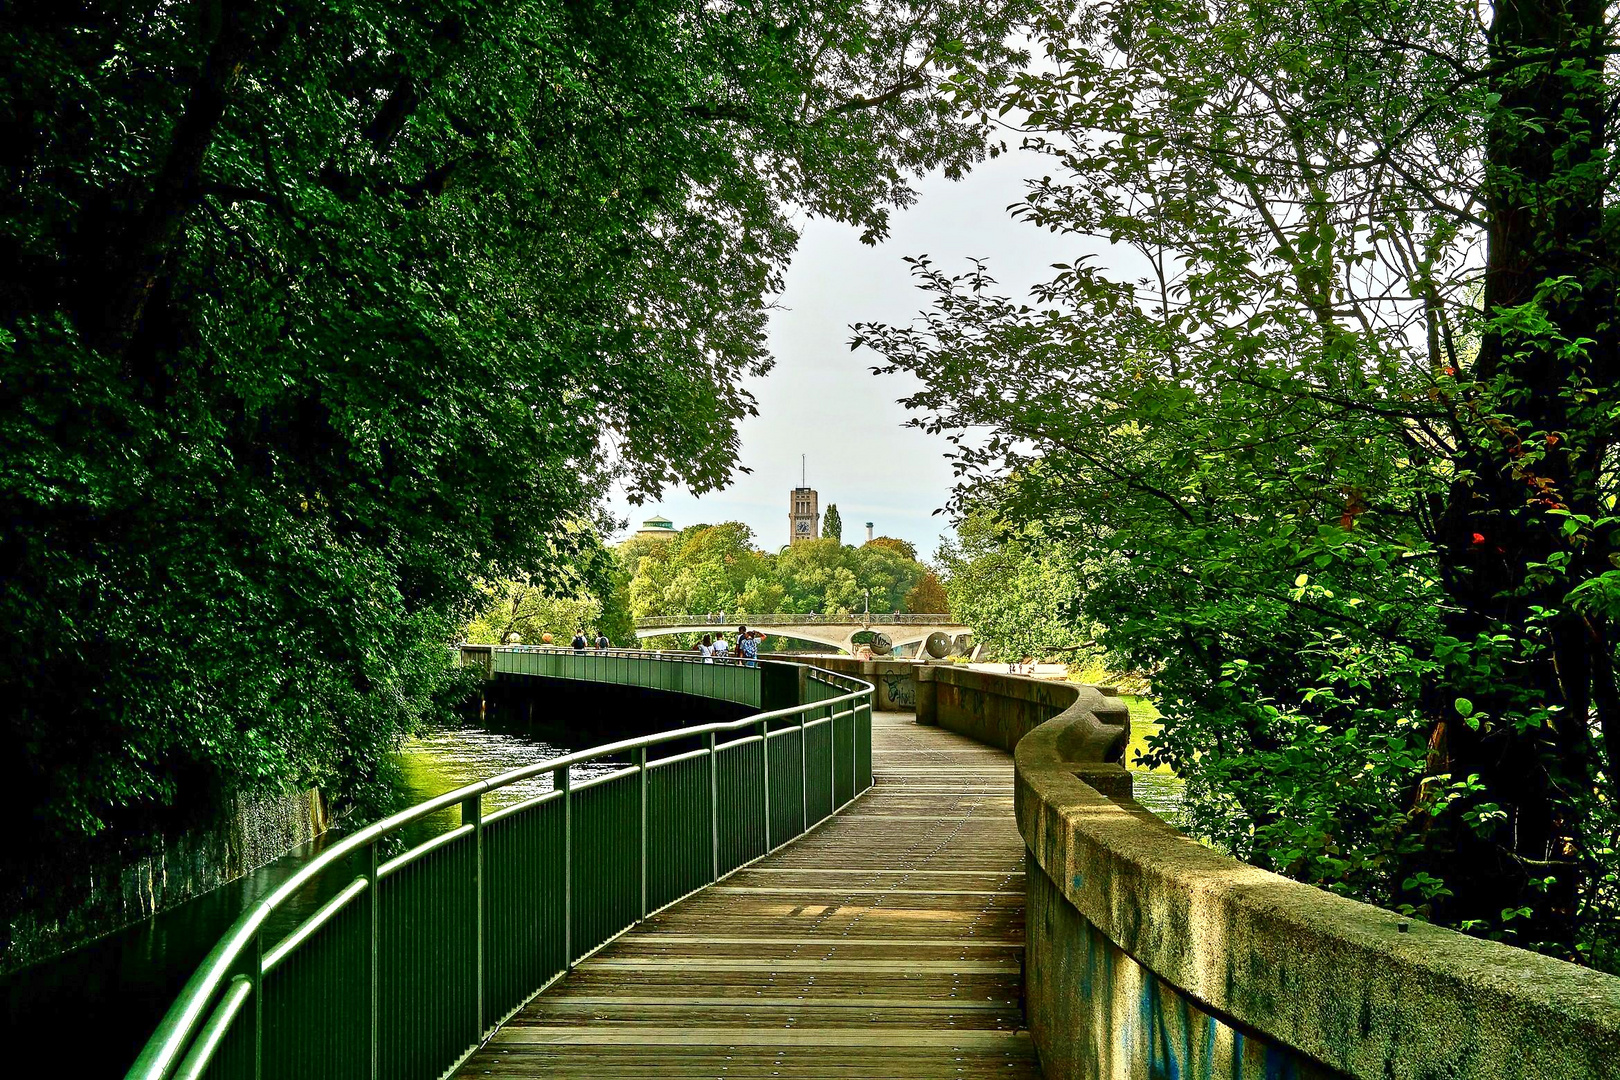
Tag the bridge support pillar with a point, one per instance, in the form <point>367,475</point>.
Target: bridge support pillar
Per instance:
<point>927,696</point>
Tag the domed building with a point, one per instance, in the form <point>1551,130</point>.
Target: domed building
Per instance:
<point>657,526</point>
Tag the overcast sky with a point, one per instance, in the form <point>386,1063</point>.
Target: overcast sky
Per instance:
<point>822,400</point>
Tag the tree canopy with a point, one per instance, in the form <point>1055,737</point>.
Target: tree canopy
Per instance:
<point>1018,589</point>
<point>715,568</point>
<point>1330,449</point>
<point>904,547</point>
<point>313,315</point>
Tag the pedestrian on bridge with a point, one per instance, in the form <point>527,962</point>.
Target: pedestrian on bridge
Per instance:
<point>601,640</point>
<point>706,649</point>
<point>747,647</point>
<point>579,640</point>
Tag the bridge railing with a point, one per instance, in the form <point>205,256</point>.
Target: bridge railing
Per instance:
<point>727,620</point>
<point>413,963</point>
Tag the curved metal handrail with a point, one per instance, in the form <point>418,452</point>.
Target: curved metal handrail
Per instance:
<point>179,1027</point>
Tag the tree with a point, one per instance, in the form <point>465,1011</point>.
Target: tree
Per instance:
<point>316,314</point>
<point>832,525</point>
<point>902,547</point>
<point>710,568</point>
<point>1018,589</point>
<point>1340,447</point>
<point>517,612</point>
<point>927,596</point>
<point>699,572</point>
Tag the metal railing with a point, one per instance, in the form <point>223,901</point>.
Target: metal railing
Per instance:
<point>416,961</point>
<point>729,620</point>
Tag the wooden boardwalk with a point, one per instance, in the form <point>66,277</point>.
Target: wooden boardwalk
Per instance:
<point>886,943</point>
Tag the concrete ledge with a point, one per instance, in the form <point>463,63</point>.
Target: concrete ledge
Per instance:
<point>1002,709</point>
<point>1326,985</point>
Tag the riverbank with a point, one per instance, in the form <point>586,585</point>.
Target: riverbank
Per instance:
<point>56,908</point>
<point>120,984</point>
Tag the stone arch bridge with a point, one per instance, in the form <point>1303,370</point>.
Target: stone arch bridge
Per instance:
<point>835,631</point>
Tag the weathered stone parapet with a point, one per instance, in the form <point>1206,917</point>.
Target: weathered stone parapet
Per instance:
<point>1001,709</point>
<point>1152,955</point>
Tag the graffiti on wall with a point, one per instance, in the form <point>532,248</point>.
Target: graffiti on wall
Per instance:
<point>898,692</point>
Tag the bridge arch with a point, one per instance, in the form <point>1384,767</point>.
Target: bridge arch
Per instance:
<point>833,631</point>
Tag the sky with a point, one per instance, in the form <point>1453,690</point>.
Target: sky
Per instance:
<point>822,400</point>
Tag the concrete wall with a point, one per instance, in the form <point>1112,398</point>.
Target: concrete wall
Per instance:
<point>1149,955</point>
<point>60,907</point>
<point>895,681</point>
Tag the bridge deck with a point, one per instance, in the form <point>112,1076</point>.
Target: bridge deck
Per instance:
<point>887,943</point>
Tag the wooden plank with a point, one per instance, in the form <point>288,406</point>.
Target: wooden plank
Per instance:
<point>690,963</point>
<point>844,941</point>
<point>803,890</point>
<point>722,1036</point>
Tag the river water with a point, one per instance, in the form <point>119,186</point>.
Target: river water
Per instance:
<point>92,1008</point>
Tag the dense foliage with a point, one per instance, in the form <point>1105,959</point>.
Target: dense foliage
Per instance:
<point>316,313</point>
<point>1332,449</point>
<point>1018,591</point>
<point>928,596</point>
<point>832,524</point>
<point>707,569</point>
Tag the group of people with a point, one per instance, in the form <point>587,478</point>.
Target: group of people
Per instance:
<point>746,648</point>
<point>582,642</point>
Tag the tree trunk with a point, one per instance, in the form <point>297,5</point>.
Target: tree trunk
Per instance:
<point>1536,462</point>
<point>146,246</point>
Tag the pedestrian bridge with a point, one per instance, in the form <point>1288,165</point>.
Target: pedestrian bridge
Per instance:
<point>835,631</point>
<point>820,890</point>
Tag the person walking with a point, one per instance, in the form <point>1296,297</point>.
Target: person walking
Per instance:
<point>720,650</point>
<point>706,649</point>
<point>601,640</point>
<point>579,640</point>
<point>748,646</point>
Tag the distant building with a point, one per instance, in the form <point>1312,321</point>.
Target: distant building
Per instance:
<point>804,515</point>
<point>657,526</point>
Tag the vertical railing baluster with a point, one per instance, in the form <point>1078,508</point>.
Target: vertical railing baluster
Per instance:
<point>562,781</point>
<point>714,809</point>
<point>255,966</point>
<point>765,780</point>
<point>804,775</point>
<point>472,813</point>
<point>832,760</point>
<point>373,978</point>
<point>854,748</point>
<point>641,763</point>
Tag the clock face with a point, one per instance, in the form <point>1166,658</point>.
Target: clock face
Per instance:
<point>802,527</point>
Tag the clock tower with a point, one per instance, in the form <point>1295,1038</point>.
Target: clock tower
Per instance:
<point>804,513</point>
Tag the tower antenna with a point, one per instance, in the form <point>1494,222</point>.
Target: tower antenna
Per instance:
<point>803,476</point>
